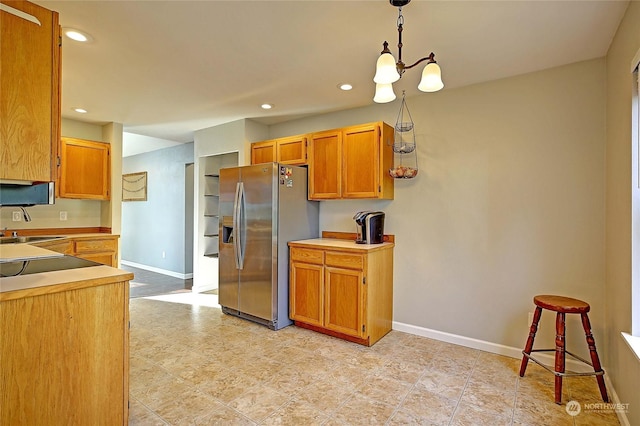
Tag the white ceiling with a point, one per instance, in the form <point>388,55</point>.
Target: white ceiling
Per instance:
<point>168,68</point>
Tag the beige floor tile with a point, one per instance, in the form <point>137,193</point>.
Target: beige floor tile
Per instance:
<point>471,415</point>
<point>450,386</point>
<point>422,403</point>
<point>403,418</point>
<point>139,415</point>
<point>259,402</point>
<point>491,398</point>
<point>201,367</point>
<point>227,387</point>
<point>360,410</point>
<point>385,388</point>
<point>326,395</point>
<point>296,413</point>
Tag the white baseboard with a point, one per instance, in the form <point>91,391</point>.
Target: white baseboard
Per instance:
<point>204,288</point>
<point>157,270</point>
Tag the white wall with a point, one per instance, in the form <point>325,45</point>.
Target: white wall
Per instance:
<point>621,186</point>
<point>508,203</point>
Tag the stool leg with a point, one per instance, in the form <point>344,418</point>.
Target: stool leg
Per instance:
<point>532,335</point>
<point>595,360</point>
<point>560,348</point>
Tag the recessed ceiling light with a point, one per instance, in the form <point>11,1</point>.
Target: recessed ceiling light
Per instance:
<point>266,106</point>
<point>77,35</point>
<point>345,86</point>
<point>80,110</point>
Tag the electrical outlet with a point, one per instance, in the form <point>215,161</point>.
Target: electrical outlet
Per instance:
<point>529,319</point>
<point>163,254</point>
<point>16,217</point>
<point>63,215</point>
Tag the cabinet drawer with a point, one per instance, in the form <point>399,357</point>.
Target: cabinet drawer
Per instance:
<point>344,260</point>
<point>307,255</point>
<point>92,246</point>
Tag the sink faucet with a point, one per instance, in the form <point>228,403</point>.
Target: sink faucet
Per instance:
<point>27,218</point>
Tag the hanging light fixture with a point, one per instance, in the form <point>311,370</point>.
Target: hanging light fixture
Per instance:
<point>388,71</point>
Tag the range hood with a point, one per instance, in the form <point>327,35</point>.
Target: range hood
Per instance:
<point>26,195</point>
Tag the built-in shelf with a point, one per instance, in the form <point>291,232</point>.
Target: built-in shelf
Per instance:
<point>210,191</point>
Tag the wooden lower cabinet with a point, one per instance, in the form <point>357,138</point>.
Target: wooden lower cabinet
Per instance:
<point>341,288</point>
<point>65,354</point>
<point>98,248</point>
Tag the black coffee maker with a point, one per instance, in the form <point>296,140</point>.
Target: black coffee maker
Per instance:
<point>370,227</point>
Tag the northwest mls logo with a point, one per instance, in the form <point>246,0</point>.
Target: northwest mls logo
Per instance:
<point>573,408</point>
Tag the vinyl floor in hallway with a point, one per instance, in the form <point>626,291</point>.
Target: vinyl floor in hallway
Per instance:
<point>193,365</point>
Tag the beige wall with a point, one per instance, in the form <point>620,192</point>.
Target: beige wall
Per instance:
<point>624,367</point>
<point>80,213</point>
<point>508,203</point>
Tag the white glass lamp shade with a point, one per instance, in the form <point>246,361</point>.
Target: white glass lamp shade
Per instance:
<point>386,71</point>
<point>384,93</point>
<point>431,78</point>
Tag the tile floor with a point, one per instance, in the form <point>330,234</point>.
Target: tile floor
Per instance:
<point>194,365</point>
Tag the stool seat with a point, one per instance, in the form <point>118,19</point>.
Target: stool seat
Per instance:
<point>567,305</point>
<point>561,306</point>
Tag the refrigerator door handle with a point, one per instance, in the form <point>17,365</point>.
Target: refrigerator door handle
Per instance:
<point>235,232</point>
<point>240,226</point>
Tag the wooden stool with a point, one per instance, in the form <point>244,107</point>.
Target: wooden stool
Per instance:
<point>563,305</point>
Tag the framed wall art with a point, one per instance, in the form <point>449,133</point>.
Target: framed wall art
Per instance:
<point>134,186</point>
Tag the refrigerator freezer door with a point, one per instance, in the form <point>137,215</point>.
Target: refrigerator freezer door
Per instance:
<point>257,292</point>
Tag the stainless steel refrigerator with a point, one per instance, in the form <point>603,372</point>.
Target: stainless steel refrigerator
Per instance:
<point>262,208</point>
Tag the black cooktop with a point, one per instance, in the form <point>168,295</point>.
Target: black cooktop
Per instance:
<point>36,266</point>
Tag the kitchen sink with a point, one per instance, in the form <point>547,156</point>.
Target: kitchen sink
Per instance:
<point>27,239</point>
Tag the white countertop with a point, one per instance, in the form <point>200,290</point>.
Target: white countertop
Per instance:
<point>340,244</point>
<point>23,251</point>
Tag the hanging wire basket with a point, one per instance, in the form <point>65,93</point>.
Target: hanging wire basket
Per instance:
<point>404,142</point>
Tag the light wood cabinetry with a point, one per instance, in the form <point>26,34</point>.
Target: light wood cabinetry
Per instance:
<point>30,92</point>
<point>289,150</point>
<point>85,169</point>
<point>98,248</point>
<point>342,289</point>
<point>351,162</point>
<point>65,353</point>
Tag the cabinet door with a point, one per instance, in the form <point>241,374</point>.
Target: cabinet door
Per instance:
<point>306,288</point>
<point>85,169</point>
<point>325,164</point>
<point>30,92</point>
<point>344,301</point>
<point>361,162</point>
<point>263,152</point>
<point>292,150</point>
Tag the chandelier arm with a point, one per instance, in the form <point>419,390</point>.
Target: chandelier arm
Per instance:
<point>430,58</point>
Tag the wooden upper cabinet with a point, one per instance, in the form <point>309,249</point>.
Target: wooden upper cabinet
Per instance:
<point>30,92</point>
<point>84,169</point>
<point>289,150</point>
<point>263,152</point>
<point>325,165</point>
<point>352,162</point>
<point>292,150</point>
